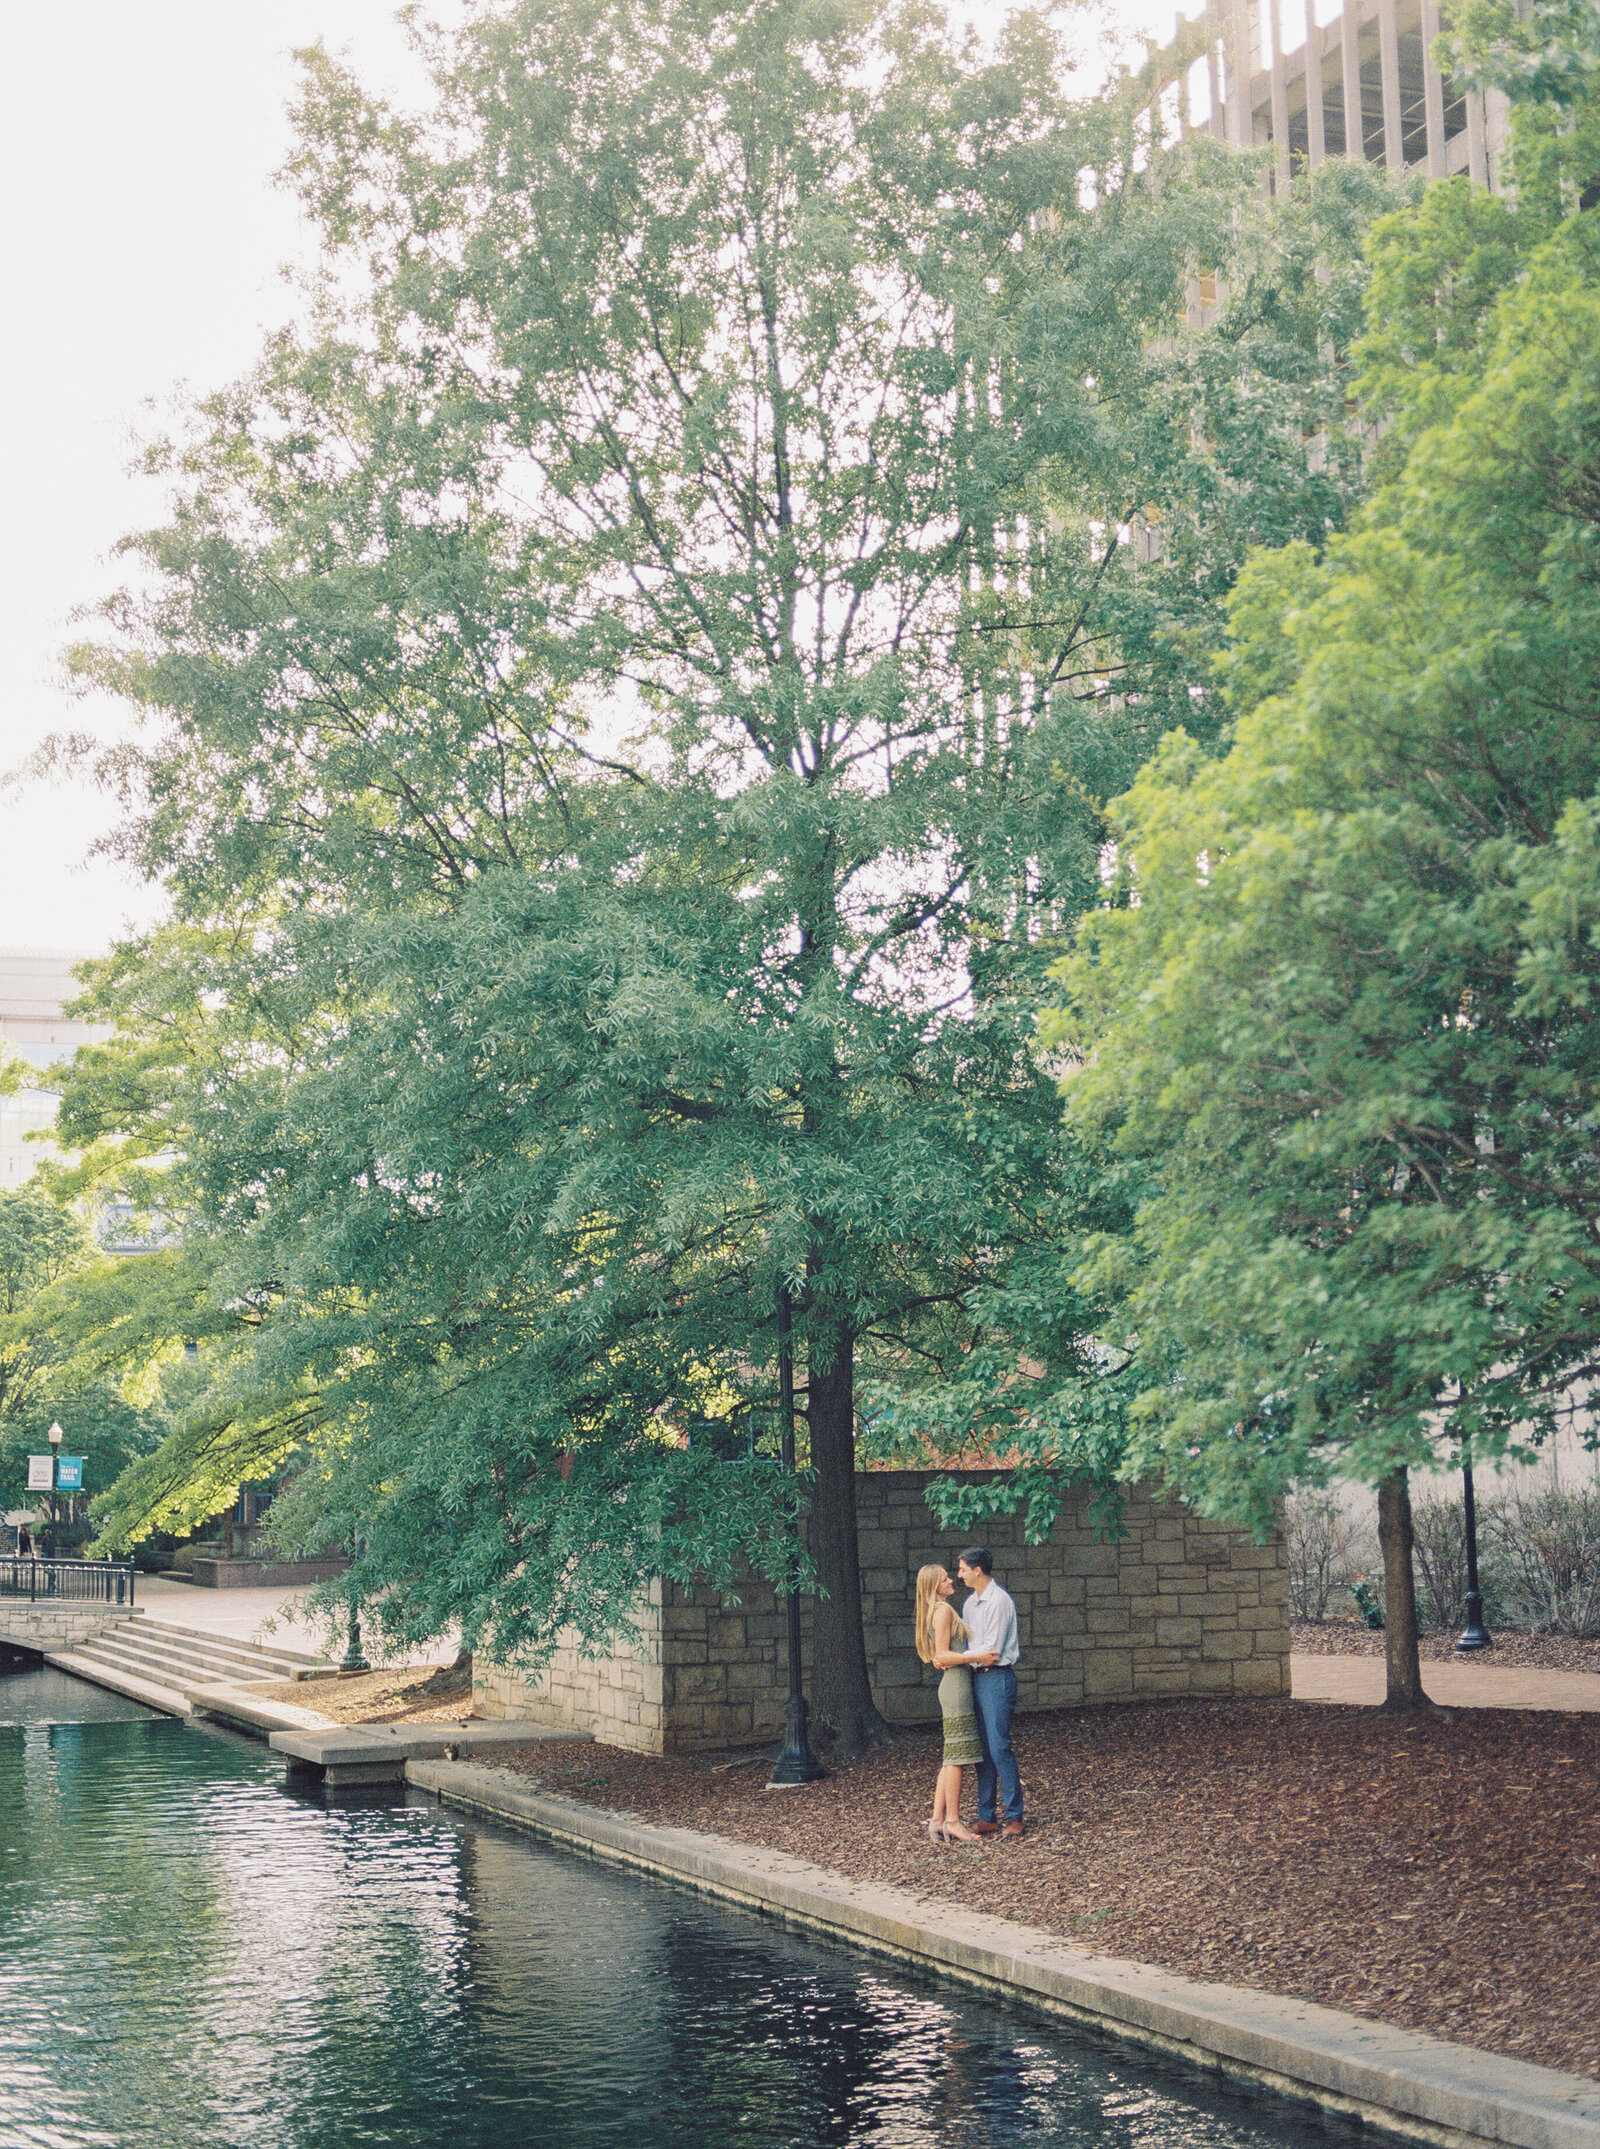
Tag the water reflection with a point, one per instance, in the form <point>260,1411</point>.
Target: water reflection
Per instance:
<point>47,1696</point>
<point>188,1956</point>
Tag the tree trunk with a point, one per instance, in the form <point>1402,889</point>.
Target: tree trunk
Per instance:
<point>841,1692</point>
<point>1404,1687</point>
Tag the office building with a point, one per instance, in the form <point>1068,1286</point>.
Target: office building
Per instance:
<point>1312,79</point>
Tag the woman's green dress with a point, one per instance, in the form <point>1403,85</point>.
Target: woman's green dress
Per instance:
<point>961,1748</point>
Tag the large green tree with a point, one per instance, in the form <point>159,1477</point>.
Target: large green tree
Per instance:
<point>1343,1010</point>
<point>1356,664</point>
<point>609,681</point>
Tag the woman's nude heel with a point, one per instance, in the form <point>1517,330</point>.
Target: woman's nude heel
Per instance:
<point>936,1832</point>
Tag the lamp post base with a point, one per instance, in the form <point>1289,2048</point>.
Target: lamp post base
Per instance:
<point>797,1764</point>
<point>1475,1635</point>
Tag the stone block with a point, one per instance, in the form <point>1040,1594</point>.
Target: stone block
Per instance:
<point>1138,1579</point>
<point>1107,1673</point>
<point>1210,1678</point>
<point>1154,1685</point>
<point>696,1683</point>
<point>1178,1633</point>
<point>1261,1675</point>
<point>1256,1558</point>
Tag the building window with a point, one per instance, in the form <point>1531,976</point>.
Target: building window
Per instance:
<point>1455,109</point>
<point>1371,92</point>
<point>1299,130</point>
<point>1333,135</point>
<point>1413,84</point>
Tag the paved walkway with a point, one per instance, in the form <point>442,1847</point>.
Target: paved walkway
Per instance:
<point>244,1614</point>
<point>1473,1685</point>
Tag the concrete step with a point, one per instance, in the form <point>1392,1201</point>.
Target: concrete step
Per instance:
<point>284,1661</point>
<point>165,1698</point>
<point>245,1711</point>
<point>297,1661</point>
<point>170,1667</point>
<point>199,1656</point>
<point>342,1755</point>
<point>192,1656</point>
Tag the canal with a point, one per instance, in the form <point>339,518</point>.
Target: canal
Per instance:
<point>192,1956</point>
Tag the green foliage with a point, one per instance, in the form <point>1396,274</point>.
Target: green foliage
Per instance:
<point>1438,271</point>
<point>39,1239</point>
<point>630,696</point>
<point>47,1260</point>
<point>1544,56</point>
<point>1342,1008</point>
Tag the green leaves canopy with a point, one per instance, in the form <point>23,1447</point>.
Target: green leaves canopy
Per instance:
<point>1344,1004</point>
<point>609,683</point>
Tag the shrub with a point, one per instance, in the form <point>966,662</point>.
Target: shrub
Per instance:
<point>1326,1550</point>
<point>1545,1547</point>
<point>1439,1557</point>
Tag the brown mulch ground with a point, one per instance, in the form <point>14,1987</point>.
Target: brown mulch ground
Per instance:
<point>1440,1872</point>
<point>1511,1650</point>
<point>434,1695</point>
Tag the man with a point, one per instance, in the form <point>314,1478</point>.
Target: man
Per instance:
<point>991,1622</point>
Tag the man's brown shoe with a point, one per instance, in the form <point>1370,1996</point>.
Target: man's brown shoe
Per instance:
<point>1014,1828</point>
<point>986,1828</point>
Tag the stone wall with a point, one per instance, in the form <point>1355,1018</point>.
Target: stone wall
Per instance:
<point>1178,1605</point>
<point>55,1623</point>
<point>619,1697</point>
<point>207,1573</point>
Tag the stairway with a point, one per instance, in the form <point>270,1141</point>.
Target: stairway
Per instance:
<point>164,1666</point>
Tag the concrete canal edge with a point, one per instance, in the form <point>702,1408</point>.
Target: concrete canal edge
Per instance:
<point>1404,2084</point>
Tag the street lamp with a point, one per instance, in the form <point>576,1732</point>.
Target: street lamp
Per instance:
<point>1475,1635</point>
<point>796,1764</point>
<point>353,1660</point>
<point>55,1436</point>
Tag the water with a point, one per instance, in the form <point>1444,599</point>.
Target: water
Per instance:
<point>189,1955</point>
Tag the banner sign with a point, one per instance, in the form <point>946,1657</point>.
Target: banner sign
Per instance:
<point>70,1478</point>
<point>39,1478</point>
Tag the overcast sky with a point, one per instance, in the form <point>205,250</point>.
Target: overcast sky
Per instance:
<point>144,241</point>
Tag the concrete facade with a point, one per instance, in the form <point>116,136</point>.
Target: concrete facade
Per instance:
<point>1177,1606</point>
<point>1313,81</point>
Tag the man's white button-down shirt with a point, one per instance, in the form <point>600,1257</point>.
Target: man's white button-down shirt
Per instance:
<point>991,1621</point>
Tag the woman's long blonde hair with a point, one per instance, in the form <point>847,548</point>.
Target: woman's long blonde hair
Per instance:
<point>928,1580</point>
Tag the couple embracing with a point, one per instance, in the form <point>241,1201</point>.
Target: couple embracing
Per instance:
<point>977,1695</point>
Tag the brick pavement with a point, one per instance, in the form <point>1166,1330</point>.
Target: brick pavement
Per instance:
<point>1466,1685</point>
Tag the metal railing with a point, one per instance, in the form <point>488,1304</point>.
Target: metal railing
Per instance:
<point>80,1581</point>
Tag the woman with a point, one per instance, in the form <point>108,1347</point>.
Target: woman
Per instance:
<point>938,1633</point>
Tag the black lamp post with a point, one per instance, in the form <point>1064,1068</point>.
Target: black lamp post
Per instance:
<point>796,1764</point>
<point>352,1659</point>
<point>1475,1635</point>
<point>55,1437</point>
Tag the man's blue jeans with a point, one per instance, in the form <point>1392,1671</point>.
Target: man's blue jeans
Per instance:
<point>994,1696</point>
